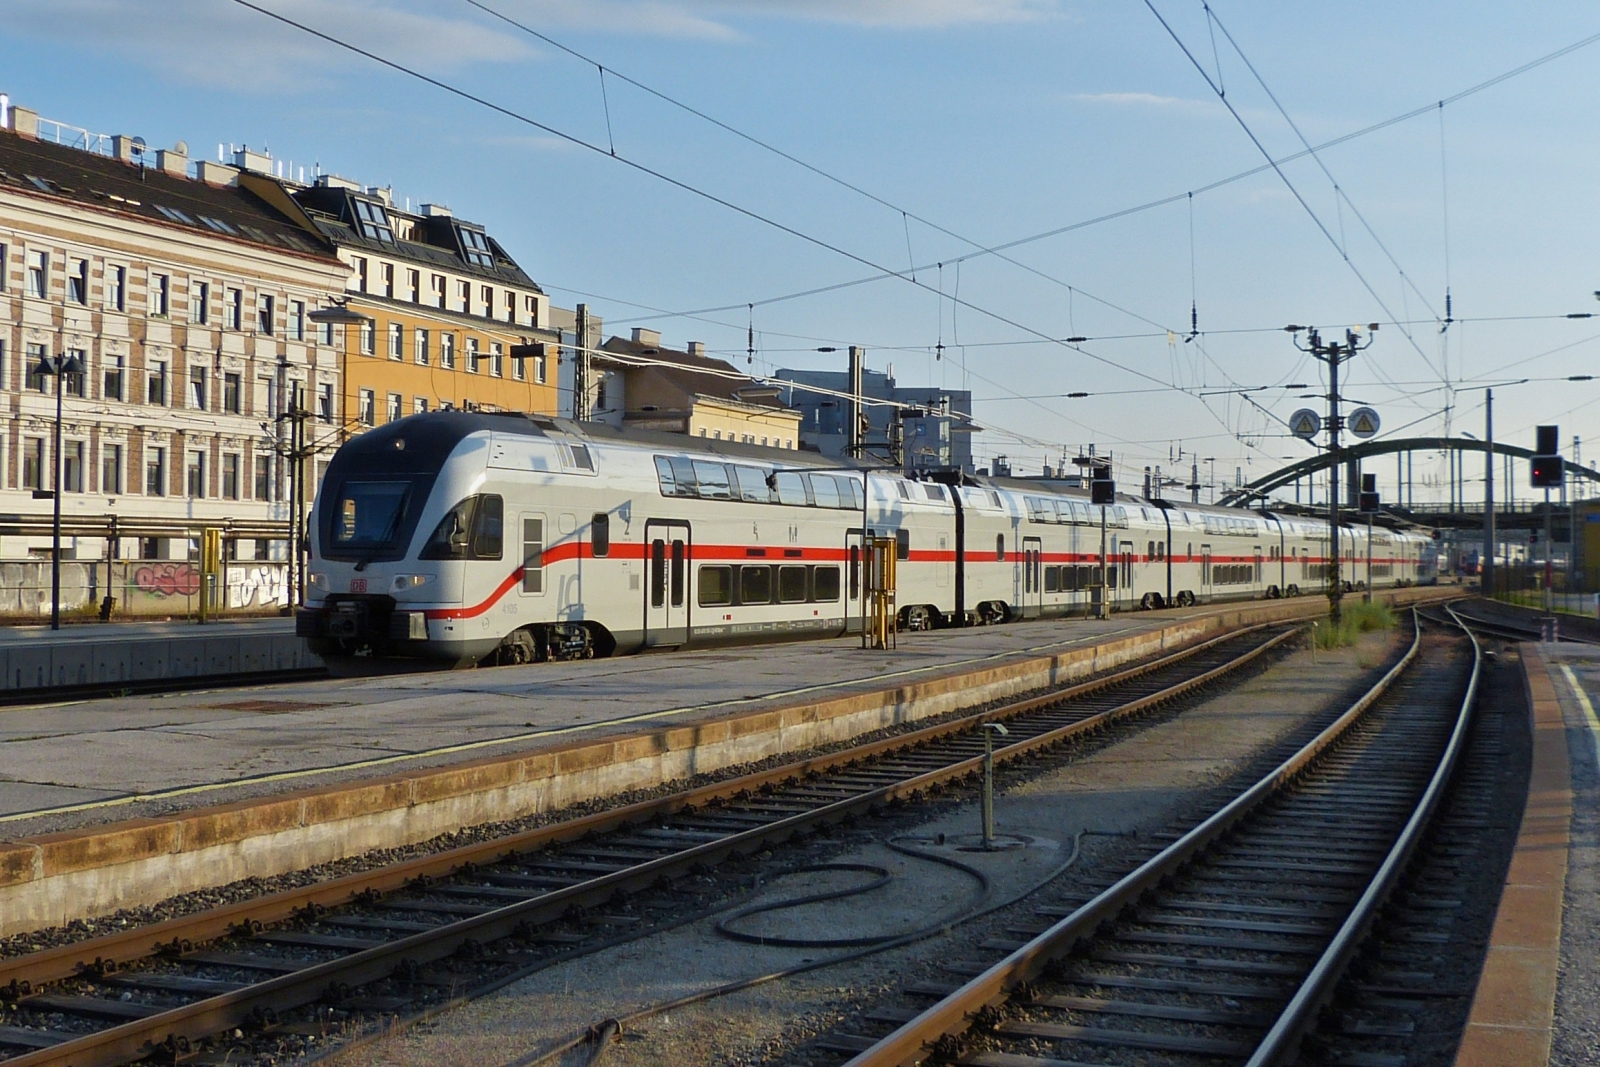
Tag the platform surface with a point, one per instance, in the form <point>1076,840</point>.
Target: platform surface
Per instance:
<point>73,633</point>
<point>227,744</point>
<point>1575,672</point>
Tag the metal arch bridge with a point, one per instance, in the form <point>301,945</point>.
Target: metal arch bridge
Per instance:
<point>1283,476</point>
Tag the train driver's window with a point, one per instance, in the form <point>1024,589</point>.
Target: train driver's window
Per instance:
<point>716,586</point>
<point>825,490</point>
<point>600,533</point>
<point>755,585</point>
<point>902,544</point>
<point>532,555</point>
<point>791,585</point>
<point>825,584</point>
<point>999,548</point>
<point>488,522</point>
<point>792,488</point>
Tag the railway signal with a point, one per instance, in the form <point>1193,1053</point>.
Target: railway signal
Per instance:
<point>1546,471</point>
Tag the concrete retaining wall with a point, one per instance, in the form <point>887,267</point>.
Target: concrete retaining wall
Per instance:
<point>52,879</point>
<point>125,659</point>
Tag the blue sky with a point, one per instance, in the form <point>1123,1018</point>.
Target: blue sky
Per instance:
<point>994,119</point>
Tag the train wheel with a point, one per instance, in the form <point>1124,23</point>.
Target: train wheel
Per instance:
<point>918,617</point>
<point>1148,602</point>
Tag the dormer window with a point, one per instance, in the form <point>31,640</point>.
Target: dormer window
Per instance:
<point>374,222</point>
<point>174,214</point>
<point>476,247</point>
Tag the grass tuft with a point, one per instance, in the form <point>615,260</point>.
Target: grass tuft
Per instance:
<point>1356,618</point>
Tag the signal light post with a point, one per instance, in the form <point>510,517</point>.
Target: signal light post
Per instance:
<point>1547,471</point>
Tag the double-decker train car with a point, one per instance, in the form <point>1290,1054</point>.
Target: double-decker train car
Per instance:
<point>514,538</point>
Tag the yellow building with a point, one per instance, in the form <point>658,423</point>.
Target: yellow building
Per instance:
<point>446,306</point>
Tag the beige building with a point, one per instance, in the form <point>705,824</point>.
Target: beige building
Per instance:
<point>187,301</point>
<point>643,385</point>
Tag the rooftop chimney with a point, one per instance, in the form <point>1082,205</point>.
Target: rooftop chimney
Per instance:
<point>24,122</point>
<point>648,338</point>
<point>174,160</point>
<point>333,181</point>
<point>382,193</point>
<point>123,148</point>
<point>437,211</point>
<point>696,348</point>
<point>260,162</point>
<point>216,173</point>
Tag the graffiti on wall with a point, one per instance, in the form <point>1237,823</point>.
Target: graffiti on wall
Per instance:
<point>167,579</point>
<point>258,587</point>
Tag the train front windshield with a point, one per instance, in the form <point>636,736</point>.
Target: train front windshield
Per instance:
<point>369,516</point>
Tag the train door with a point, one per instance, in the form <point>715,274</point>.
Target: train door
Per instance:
<point>1032,577</point>
<point>1124,591</point>
<point>1257,574</point>
<point>1205,571</point>
<point>853,580</point>
<point>666,592</point>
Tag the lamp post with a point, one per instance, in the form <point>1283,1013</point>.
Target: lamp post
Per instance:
<point>57,367</point>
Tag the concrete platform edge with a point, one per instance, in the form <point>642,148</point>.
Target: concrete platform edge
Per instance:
<point>1513,1009</point>
<point>51,879</point>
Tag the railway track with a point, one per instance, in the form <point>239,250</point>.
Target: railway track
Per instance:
<point>1507,629</point>
<point>1225,946</point>
<point>390,940</point>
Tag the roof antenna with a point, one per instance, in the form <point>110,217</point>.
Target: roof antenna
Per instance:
<point>750,338</point>
<point>938,349</point>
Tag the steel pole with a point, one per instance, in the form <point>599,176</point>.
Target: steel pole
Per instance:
<point>1335,586</point>
<point>55,523</point>
<point>1486,582</point>
<point>1549,552</point>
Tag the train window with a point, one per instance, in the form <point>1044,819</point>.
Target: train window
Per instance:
<point>791,488</point>
<point>933,492</point>
<point>370,514</point>
<point>532,555</point>
<point>678,563</point>
<point>751,485</point>
<point>487,522</point>
<point>676,475</point>
<point>855,571</point>
<point>855,491</point>
<point>825,584</point>
<point>1069,579</point>
<point>579,457</point>
<point>791,585</point>
<point>902,544</point>
<point>1039,509</point>
<point>905,490</point>
<point>658,573</point>
<point>825,490</point>
<point>712,480</point>
<point>994,498</point>
<point>600,534</point>
<point>716,586</point>
<point>999,548</point>
<point>1052,579</point>
<point>755,585</point>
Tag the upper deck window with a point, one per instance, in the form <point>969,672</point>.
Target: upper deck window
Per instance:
<point>374,222</point>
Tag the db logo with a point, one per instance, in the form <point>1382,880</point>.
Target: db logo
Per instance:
<point>358,585</point>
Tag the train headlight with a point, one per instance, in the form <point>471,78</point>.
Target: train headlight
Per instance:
<point>319,581</point>
<point>402,582</point>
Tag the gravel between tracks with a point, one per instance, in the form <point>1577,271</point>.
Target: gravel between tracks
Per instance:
<point>1135,784</point>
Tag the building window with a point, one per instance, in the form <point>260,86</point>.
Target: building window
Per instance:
<point>199,303</point>
<point>397,341</point>
<point>395,409</point>
<point>232,388</point>
<point>422,347</point>
<point>511,307</point>
<point>263,477</point>
<point>72,466</point>
<point>297,320</point>
<point>497,359</point>
<point>235,309</point>
<point>369,338</point>
<point>472,355</point>
<point>439,284</point>
<point>265,306</point>
<point>519,368</point>
<point>32,462</point>
<point>195,475</point>
<point>113,377</point>
<point>155,472</point>
<point>530,304</point>
<point>230,476</point>
<point>325,401</point>
<point>540,369</point>
<point>111,469</point>
<point>388,280</point>
<point>156,384</point>
<point>116,288</point>
<point>266,398</point>
<point>464,297</point>
<point>361,274</point>
<point>36,378</point>
<point>160,294</point>
<point>39,274</point>
<point>369,404</point>
<point>419,405</point>
<point>486,300</point>
<point>373,222</point>
<point>197,388</point>
<point>75,384</point>
<point>447,351</point>
<point>414,285</point>
<point>5,268</point>
<point>78,281</point>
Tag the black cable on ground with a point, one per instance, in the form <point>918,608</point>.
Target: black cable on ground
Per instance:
<point>539,1059</point>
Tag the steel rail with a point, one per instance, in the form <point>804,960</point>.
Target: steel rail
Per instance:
<point>912,1042</point>
<point>176,1028</point>
<point>1300,1014</point>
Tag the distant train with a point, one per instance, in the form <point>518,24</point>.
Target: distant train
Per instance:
<point>513,538</point>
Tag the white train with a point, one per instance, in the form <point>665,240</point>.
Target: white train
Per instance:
<point>513,538</point>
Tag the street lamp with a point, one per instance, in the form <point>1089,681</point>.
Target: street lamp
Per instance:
<point>57,367</point>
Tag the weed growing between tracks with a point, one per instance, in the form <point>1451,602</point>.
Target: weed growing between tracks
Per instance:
<point>1355,619</point>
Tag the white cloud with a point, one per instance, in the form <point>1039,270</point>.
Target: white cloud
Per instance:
<point>1170,103</point>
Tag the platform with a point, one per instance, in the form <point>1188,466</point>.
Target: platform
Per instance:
<point>120,801</point>
<point>36,657</point>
